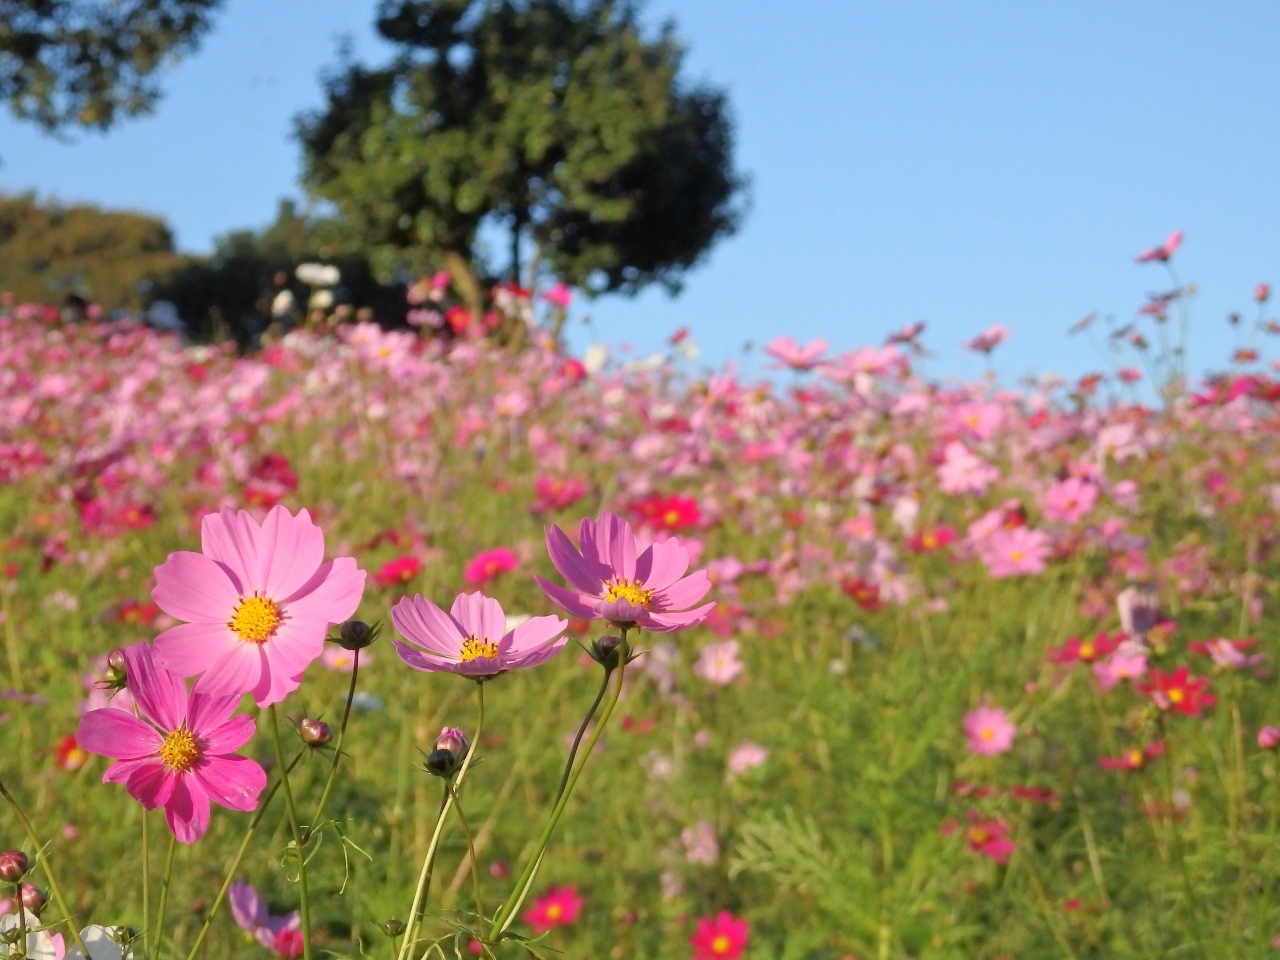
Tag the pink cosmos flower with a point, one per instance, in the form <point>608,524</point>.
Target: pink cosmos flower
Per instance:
<point>990,731</point>
<point>281,935</point>
<point>1017,552</point>
<point>341,660</point>
<point>746,756</point>
<point>719,663</point>
<point>1070,500</point>
<point>1269,738</point>
<point>472,638</point>
<point>259,601</point>
<point>181,753</point>
<point>795,356</point>
<point>1127,663</point>
<point>964,472</point>
<point>559,296</point>
<point>1163,252</point>
<point>611,582</point>
<point>558,907</point>
<point>487,564</point>
<point>552,493</point>
<point>701,843</point>
<point>988,340</point>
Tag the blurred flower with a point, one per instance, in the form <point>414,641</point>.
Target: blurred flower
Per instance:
<point>341,660</point>
<point>723,938</point>
<point>719,664</point>
<point>1085,651</point>
<point>990,731</point>
<point>1269,738</point>
<point>990,838</point>
<point>1014,553</point>
<point>396,572</point>
<point>988,340</point>
<point>795,356</point>
<point>746,756</point>
<point>318,275</point>
<point>1133,759</point>
<point>559,295</point>
<point>558,907</point>
<point>701,845</point>
<point>281,935</point>
<point>487,564</point>
<point>1178,691</point>
<point>69,754</point>
<point>1163,252</point>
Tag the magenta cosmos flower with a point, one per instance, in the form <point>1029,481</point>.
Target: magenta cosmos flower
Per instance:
<point>181,753</point>
<point>990,731</point>
<point>472,638</point>
<point>611,582</point>
<point>258,601</point>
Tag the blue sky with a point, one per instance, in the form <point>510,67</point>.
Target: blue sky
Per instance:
<point>963,164</point>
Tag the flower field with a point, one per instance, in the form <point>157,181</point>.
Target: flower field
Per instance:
<point>921,670</point>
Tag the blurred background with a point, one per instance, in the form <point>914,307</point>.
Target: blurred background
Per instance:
<point>962,165</point>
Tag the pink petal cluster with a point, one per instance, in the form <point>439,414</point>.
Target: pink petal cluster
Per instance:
<point>990,731</point>
<point>281,935</point>
<point>964,472</point>
<point>1018,552</point>
<point>719,664</point>
<point>180,753</point>
<point>795,356</point>
<point>1070,500</point>
<point>487,565</point>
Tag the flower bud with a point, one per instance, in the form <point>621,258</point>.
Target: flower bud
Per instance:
<point>606,652</point>
<point>13,864</point>
<point>453,740</point>
<point>442,763</point>
<point>1268,738</point>
<point>356,635</point>
<point>392,928</point>
<point>33,898</point>
<point>315,733</point>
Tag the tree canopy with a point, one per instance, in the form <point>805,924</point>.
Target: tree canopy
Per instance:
<point>67,63</point>
<point>558,119</point>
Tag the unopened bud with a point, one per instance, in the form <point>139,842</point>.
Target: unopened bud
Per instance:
<point>315,733</point>
<point>356,635</point>
<point>115,660</point>
<point>442,763</point>
<point>606,652</point>
<point>33,898</point>
<point>453,740</point>
<point>392,928</point>
<point>13,865</point>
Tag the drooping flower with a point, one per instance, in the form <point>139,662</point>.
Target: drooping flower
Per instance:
<point>795,356</point>
<point>472,639</point>
<point>397,572</point>
<point>723,938</point>
<point>558,907</point>
<point>488,564</point>
<point>611,582</point>
<point>281,935</point>
<point>1162,253</point>
<point>719,664</point>
<point>990,731</point>
<point>258,601</point>
<point>181,754</point>
<point>1178,691</point>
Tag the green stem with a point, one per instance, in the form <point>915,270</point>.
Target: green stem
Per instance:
<point>164,898</point>
<point>296,828</point>
<point>11,639</point>
<point>1178,848</point>
<point>429,861</point>
<point>146,882</point>
<point>471,852</point>
<point>235,864</point>
<point>22,917</point>
<point>337,750</point>
<point>582,729</point>
<point>48,871</point>
<point>506,914</point>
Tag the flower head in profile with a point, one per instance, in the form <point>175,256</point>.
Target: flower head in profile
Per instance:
<point>613,581</point>
<point>990,731</point>
<point>1086,650</point>
<point>180,753</point>
<point>281,935</point>
<point>258,600</point>
<point>1134,759</point>
<point>487,565</point>
<point>792,355</point>
<point>1162,253</point>
<point>472,639</point>
<point>558,907</point>
<point>722,938</point>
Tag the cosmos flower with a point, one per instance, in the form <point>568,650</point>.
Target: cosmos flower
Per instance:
<point>281,935</point>
<point>721,938</point>
<point>1178,691</point>
<point>472,638</point>
<point>181,753</point>
<point>1162,253</point>
<point>719,664</point>
<point>611,582</point>
<point>558,907</point>
<point>1015,553</point>
<point>397,572</point>
<point>795,356</point>
<point>259,601</point>
<point>990,731</point>
<point>487,565</point>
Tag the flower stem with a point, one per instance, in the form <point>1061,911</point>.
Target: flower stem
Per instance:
<point>235,864</point>
<point>22,918</point>
<point>471,852</point>
<point>337,751</point>
<point>582,729</point>
<point>304,894</point>
<point>507,912</point>
<point>48,871</point>
<point>146,882</point>
<point>164,898</point>
<point>428,861</point>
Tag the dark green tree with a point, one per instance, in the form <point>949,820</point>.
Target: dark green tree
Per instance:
<point>86,62</point>
<point>558,119</point>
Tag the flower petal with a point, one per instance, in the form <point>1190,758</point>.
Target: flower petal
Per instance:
<point>233,781</point>
<point>332,594</point>
<point>421,660</point>
<point>421,622</point>
<point>662,564</point>
<point>534,633</point>
<point>570,564</point>
<point>236,672</point>
<point>192,648</point>
<point>610,540</point>
<point>151,784</point>
<point>480,616</point>
<point>535,658</point>
<point>187,810</point>
<point>683,593</point>
<point>192,587</point>
<point>572,603</point>
<point>207,715</point>
<point>116,734</point>
<point>160,695</point>
<point>247,908</point>
<point>290,550</point>
<point>671,621</point>
<point>232,539</point>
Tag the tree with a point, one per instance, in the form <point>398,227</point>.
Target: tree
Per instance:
<point>85,63</point>
<point>556,118</point>
<point>49,252</point>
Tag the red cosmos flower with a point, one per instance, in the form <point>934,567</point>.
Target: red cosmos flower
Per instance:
<point>1133,759</point>
<point>1178,691</point>
<point>398,571</point>
<point>136,614</point>
<point>674,512</point>
<point>723,938</point>
<point>458,318</point>
<point>270,480</point>
<point>930,540</point>
<point>866,595</point>
<point>557,493</point>
<point>69,754</point>
<point>987,837</point>
<point>1086,651</point>
<point>487,564</point>
<point>1034,794</point>
<point>558,907</point>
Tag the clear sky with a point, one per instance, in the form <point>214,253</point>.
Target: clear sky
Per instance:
<point>959,163</point>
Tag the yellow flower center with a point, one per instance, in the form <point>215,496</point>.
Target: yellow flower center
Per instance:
<point>978,835</point>
<point>255,619</point>
<point>473,648</point>
<point>629,590</point>
<point>179,750</point>
<point>672,518</point>
<point>1135,758</point>
<point>720,945</point>
<point>554,911</point>
<point>1086,651</point>
<point>987,733</point>
<point>1176,695</point>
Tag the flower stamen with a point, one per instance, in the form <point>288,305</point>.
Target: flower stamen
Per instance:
<point>179,751</point>
<point>473,648</point>
<point>255,619</point>
<point>630,591</point>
